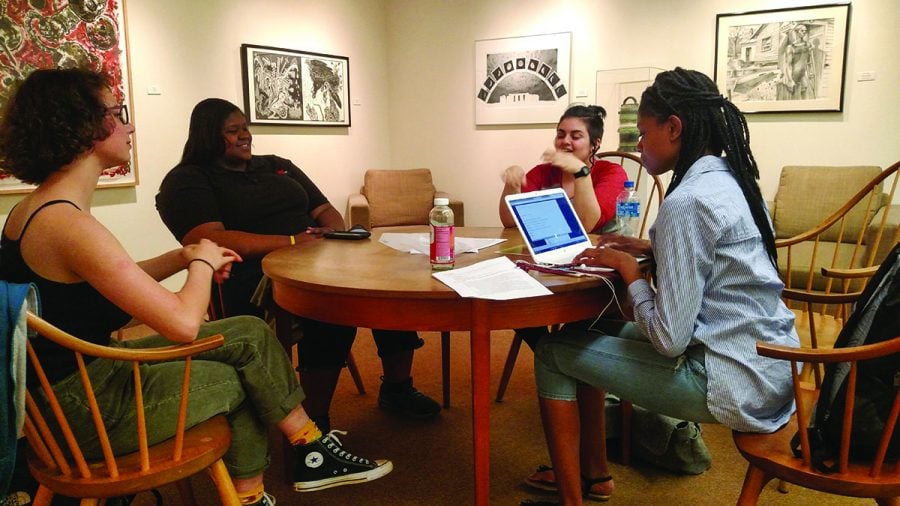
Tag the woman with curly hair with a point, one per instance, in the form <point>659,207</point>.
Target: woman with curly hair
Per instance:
<point>60,130</point>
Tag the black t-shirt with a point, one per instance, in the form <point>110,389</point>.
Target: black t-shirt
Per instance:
<point>273,196</point>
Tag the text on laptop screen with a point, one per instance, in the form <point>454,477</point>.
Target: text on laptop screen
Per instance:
<point>547,222</point>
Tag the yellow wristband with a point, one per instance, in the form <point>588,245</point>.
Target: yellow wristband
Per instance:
<point>293,241</point>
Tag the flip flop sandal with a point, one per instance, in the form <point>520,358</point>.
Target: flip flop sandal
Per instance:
<point>587,488</point>
<point>542,479</point>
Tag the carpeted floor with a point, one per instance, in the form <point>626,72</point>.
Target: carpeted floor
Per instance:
<point>432,460</point>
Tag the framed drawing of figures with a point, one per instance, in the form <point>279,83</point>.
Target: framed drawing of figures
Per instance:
<point>288,87</point>
<point>522,79</point>
<point>784,60</point>
<point>46,35</point>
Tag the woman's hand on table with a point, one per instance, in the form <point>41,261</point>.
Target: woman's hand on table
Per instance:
<point>601,256</point>
<point>313,233</point>
<point>633,245</point>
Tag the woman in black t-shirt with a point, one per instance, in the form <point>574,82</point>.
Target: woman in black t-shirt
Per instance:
<point>256,204</point>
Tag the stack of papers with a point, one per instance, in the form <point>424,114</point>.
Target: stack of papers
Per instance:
<point>495,279</point>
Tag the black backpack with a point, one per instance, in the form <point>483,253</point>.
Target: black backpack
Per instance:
<point>875,318</point>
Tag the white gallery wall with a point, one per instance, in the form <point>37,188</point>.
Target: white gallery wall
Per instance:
<point>438,128</point>
<point>411,88</point>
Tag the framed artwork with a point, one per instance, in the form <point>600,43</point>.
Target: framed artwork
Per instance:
<point>42,35</point>
<point>783,60</point>
<point>288,87</point>
<point>522,79</point>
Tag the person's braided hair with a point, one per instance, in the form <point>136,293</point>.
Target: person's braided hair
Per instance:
<point>711,124</point>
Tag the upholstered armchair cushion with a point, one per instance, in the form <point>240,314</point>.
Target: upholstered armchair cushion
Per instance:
<point>398,197</point>
<point>809,194</point>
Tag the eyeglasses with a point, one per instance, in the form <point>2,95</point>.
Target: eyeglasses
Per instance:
<point>119,111</point>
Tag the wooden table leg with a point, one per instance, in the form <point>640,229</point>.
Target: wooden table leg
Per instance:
<point>481,384</point>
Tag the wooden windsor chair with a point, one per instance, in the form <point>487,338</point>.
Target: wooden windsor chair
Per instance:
<point>57,461</point>
<point>769,456</point>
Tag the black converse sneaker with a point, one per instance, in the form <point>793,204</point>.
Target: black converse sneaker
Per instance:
<point>324,464</point>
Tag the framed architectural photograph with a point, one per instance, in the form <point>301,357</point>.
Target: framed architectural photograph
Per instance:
<point>522,79</point>
<point>46,35</point>
<point>288,87</point>
<point>784,60</point>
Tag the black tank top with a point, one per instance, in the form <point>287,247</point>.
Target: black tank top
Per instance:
<point>77,308</point>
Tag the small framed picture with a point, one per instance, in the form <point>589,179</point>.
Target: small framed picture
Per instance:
<point>290,87</point>
<point>784,60</point>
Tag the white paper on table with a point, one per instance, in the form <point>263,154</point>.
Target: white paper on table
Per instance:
<point>495,279</point>
<point>415,243</point>
<point>418,243</point>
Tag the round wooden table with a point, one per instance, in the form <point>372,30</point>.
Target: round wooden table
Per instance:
<point>367,284</point>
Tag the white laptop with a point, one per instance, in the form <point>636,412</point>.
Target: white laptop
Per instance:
<point>549,225</point>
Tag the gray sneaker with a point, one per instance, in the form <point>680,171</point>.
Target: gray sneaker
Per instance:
<point>324,464</point>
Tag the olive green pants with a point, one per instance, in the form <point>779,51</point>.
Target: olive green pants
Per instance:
<point>249,379</point>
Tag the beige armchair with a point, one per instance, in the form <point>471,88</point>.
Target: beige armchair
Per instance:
<point>833,217</point>
<point>397,197</point>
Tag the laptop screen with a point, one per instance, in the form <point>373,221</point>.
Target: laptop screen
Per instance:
<point>547,220</point>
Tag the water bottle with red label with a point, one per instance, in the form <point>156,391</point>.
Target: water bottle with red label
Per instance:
<point>442,235</point>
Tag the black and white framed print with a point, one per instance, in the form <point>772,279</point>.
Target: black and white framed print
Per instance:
<point>291,87</point>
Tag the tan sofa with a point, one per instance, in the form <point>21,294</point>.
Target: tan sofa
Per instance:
<point>807,196</point>
<point>397,197</point>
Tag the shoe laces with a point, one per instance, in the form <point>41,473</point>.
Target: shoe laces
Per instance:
<point>334,445</point>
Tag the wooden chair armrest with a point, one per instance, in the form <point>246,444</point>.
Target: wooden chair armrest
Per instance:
<point>827,355</point>
<point>820,297</point>
<point>861,272</point>
<point>101,351</point>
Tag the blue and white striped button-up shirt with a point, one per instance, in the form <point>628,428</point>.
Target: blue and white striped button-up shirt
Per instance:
<point>717,288</point>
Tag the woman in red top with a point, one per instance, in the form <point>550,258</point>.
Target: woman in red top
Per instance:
<point>578,136</point>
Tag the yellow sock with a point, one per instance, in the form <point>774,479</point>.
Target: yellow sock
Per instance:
<point>251,496</point>
<point>309,433</point>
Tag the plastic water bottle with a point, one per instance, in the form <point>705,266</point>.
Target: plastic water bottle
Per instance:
<point>442,235</point>
<point>628,211</point>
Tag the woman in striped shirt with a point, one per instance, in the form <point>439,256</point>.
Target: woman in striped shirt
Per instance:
<point>690,352</point>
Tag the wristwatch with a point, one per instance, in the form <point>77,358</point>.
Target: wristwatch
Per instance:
<point>585,171</point>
